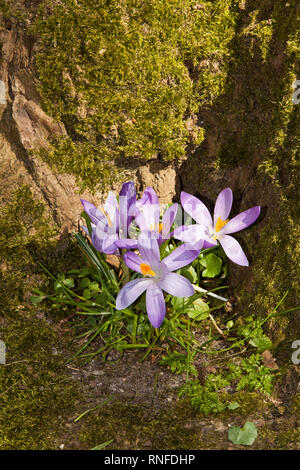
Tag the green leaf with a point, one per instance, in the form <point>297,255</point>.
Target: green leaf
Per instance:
<point>84,272</point>
<point>94,286</point>
<point>101,446</point>
<point>84,282</point>
<point>233,405</point>
<point>37,299</point>
<point>198,310</point>
<point>69,282</point>
<point>178,303</point>
<point>243,436</point>
<point>213,265</point>
<point>262,343</point>
<point>87,294</point>
<point>190,274</point>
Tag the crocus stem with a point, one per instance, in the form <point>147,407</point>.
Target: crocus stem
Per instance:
<point>125,270</point>
<point>200,289</point>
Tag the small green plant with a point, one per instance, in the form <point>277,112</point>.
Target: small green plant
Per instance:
<point>178,363</point>
<point>243,436</point>
<point>211,397</point>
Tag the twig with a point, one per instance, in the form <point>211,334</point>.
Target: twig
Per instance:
<point>216,326</point>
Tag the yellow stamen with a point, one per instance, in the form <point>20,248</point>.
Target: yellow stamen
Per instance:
<point>160,227</point>
<point>107,216</point>
<point>220,224</point>
<point>146,270</point>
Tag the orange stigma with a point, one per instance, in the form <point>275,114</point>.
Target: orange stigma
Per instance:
<point>146,270</point>
<point>220,224</point>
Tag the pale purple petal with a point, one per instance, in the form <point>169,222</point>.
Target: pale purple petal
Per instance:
<point>168,219</point>
<point>149,197</point>
<point>127,199</point>
<point>190,233</point>
<point>85,229</point>
<point>200,245</point>
<point>148,247</point>
<point>94,214</point>
<point>148,217</point>
<point>156,306</point>
<point>233,250</point>
<point>127,243</point>
<point>133,261</point>
<point>177,285</point>
<point>181,256</point>
<point>111,207</point>
<point>108,245</point>
<point>98,235</point>
<point>196,209</point>
<point>209,244</point>
<point>131,291</point>
<point>241,221</point>
<point>223,205</point>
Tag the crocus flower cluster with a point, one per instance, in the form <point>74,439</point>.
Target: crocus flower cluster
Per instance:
<point>112,234</point>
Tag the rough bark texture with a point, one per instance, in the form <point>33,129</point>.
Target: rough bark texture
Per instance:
<point>25,128</point>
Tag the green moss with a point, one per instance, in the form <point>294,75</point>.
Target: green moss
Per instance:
<point>36,394</point>
<point>127,79</point>
<point>296,404</point>
<point>133,426</point>
<point>257,102</point>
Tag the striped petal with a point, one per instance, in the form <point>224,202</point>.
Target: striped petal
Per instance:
<point>233,250</point>
<point>241,221</point>
<point>168,219</point>
<point>196,209</point>
<point>177,285</point>
<point>181,256</point>
<point>190,233</point>
<point>156,306</point>
<point>148,247</point>
<point>133,261</point>
<point>94,214</point>
<point>131,291</point>
<point>223,205</point>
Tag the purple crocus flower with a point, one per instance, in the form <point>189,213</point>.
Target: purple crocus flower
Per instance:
<point>158,276</point>
<point>111,221</point>
<point>147,217</point>
<point>218,229</point>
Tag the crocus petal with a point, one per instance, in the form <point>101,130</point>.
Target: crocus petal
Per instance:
<point>233,250</point>
<point>148,218</point>
<point>133,261</point>
<point>149,197</point>
<point>168,219</point>
<point>108,245</point>
<point>148,247</point>
<point>86,230</point>
<point>111,207</point>
<point>223,205</point>
<point>127,243</point>
<point>98,235</point>
<point>181,256</point>
<point>127,199</point>
<point>156,306</point>
<point>131,291</point>
<point>196,209</point>
<point>241,221</point>
<point>177,285</point>
<point>190,233</point>
<point>94,214</point>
